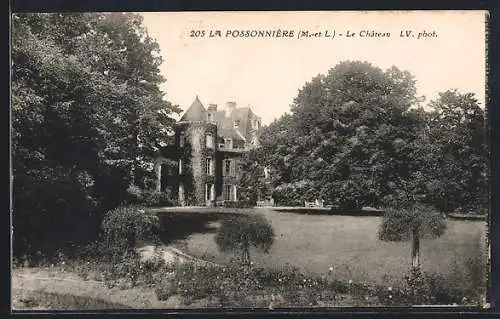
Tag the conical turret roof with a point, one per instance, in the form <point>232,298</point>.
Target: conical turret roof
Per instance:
<point>196,112</point>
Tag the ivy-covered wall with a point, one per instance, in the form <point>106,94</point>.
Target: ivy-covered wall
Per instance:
<point>194,157</point>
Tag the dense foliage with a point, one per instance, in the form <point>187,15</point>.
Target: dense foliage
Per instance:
<point>87,114</point>
<point>359,136</point>
<point>399,225</point>
<point>286,287</point>
<point>124,227</point>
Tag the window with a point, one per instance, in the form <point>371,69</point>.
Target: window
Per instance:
<point>233,168</point>
<point>235,197</point>
<point>209,192</point>
<point>227,167</point>
<point>209,117</point>
<point>238,144</point>
<point>181,139</point>
<point>209,141</point>
<point>209,167</point>
<point>229,143</point>
<point>180,166</point>
<point>236,123</point>
<point>227,192</point>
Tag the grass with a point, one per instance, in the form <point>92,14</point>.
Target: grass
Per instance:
<point>348,244</point>
<point>339,250</point>
<point>40,299</point>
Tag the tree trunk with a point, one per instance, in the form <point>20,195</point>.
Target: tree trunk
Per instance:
<point>415,248</point>
<point>246,254</point>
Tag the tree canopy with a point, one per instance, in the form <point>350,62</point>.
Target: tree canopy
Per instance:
<point>359,136</point>
<point>86,109</point>
<point>342,136</point>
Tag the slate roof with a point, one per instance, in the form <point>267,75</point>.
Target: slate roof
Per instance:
<point>224,121</point>
<point>196,112</point>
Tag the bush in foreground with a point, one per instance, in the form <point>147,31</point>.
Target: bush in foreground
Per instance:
<point>240,286</point>
<point>123,227</point>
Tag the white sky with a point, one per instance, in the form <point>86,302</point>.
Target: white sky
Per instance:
<point>266,73</point>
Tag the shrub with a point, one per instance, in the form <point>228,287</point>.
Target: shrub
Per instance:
<point>238,204</point>
<point>151,269</point>
<point>238,234</point>
<point>154,198</point>
<point>123,227</point>
<point>148,197</point>
<point>441,291</point>
<point>239,286</point>
<point>52,206</point>
<point>437,289</point>
<point>465,283</point>
<point>165,289</point>
<point>135,194</point>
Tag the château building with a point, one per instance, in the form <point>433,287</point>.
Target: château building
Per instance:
<point>209,143</point>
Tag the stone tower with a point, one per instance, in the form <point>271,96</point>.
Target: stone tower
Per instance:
<point>196,139</point>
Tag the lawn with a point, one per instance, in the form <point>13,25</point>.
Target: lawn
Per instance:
<point>317,242</point>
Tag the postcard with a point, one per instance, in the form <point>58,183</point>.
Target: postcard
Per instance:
<point>245,160</point>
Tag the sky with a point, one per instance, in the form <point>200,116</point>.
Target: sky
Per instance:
<point>266,73</point>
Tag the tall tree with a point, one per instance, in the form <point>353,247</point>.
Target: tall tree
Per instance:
<point>342,136</point>
<point>456,132</point>
<point>85,102</point>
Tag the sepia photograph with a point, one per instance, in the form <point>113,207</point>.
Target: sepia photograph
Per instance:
<point>236,160</point>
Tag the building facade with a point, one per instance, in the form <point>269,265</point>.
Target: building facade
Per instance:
<point>210,142</point>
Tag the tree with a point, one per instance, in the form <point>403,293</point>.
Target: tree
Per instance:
<point>85,102</point>
<point>413,222</point>
<point>456,131</point>
<point>238,234</point>
<point>341,136</point>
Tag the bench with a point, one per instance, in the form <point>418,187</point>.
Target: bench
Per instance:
<point>316,203</point>
<point>265,203</point>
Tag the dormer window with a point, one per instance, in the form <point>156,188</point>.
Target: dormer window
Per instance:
<point>229,143</point>
<point>209,117</point>
<point>236,123</point>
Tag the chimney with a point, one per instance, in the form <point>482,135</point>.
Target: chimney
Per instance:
<point>212,108</point>
<point>230,106</point>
